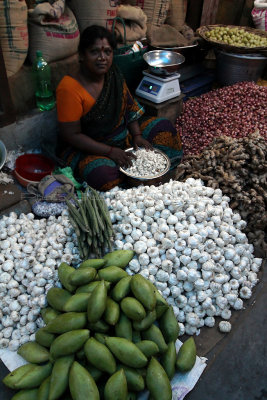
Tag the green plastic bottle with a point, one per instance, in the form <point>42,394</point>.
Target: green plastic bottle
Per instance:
<point>45,99</point>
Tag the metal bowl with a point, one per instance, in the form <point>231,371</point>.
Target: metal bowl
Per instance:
<point>176,49</point>
<point>3,154</point>
<point>163,60</point>
<point>148,179</point>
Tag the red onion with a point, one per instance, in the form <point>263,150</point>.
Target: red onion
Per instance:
<point>235,111</point>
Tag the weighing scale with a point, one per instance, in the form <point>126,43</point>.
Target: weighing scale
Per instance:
<point>159,88</point>
<point>161,82</point>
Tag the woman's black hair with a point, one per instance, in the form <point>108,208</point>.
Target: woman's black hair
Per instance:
<point>91,34</point>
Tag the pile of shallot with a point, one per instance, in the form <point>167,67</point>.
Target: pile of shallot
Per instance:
<point>234,111</point>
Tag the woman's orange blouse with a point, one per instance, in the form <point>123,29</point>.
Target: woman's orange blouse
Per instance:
<point>73,101</point>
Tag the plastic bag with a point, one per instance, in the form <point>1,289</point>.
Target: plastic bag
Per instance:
<point>259,14</point>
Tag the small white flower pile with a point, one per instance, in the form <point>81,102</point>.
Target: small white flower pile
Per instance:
<point>30,251</point>
<point>190,244</point>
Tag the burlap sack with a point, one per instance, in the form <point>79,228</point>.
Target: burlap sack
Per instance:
<point>164,36</point>
<point>13,34</point>
<point>57,38</point>
<point>94,12</point>
<point>135,24</point>
<point>156,10</point>
<point>177,13</point>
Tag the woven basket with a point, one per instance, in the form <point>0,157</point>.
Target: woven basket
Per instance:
<point>231,48</point>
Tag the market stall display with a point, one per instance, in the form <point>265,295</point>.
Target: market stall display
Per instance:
<point>238,167</point>
<point>234,111</point>
<point>235,39</point>
<point>190,244</point>
<point>131,327</point>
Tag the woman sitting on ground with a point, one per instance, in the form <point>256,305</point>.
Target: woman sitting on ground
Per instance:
<point>99,118</point>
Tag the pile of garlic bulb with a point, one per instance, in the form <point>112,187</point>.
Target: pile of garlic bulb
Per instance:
<point>190,244</point>
<point>147,163</point>
<point>30,251</point>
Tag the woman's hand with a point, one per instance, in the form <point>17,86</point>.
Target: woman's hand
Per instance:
<point>122,158</point>
<point>139,141</point>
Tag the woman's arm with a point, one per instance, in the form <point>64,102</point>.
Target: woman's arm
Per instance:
<point>138,140</point>
<point>71,133</point>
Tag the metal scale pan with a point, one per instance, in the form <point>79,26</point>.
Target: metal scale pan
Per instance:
<point>161,82</point>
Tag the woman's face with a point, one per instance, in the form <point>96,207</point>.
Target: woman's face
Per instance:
<point>98,58</point>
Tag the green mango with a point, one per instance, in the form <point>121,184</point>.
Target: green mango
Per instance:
<point>160,301</point>
<point>101,337</point>
<point>143,291</point>
<point>148,347</point>
<point>43,391</point>
<point>116,387</point>
<point>27,394</point>
<point>94,372</point>
<point>157,381</point>
<point>99,326</point>
<point>112,274</point>
<point>69,343</point>
<point>123,328</point>
<point>91,286</point>
<point>93,263</point>
<point>97,303</point>
<point>146,322</point>
<point>48,313</point>
<point>99,356</point>
<point>64,273</point>
<point>44,338</point>
<point>112,312</point>
<point>119,258</point>
<point>33,353</point>
<point>60,377</point>
<point>127,352</point>
<point>135,381</point>
<point>153,333</point>
<point>34,377</point>
<point>160,310</point>
<point>168,360</point>
<point>121,289</point>
<point>77,303</point>
<point>161,304</point>
<point>133,308</point>
<point>67,322</point>
<point>169,326</point>
<point>57,298</point>
<point>82,276</point>
<point>82,385</point>
<point>13,377</point>
<point>186,356</point>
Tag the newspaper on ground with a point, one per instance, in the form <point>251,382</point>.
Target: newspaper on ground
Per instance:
<point>182,383</point>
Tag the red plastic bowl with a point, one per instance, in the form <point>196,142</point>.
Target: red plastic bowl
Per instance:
<point>34,166</point>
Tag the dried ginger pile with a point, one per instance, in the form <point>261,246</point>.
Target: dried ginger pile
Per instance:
<point>239,168</point>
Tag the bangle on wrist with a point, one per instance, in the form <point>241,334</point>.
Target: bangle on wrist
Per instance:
<point>109,152</point>
<point>138,134</point>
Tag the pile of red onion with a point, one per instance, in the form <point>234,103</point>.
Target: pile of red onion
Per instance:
<point>234,111</point>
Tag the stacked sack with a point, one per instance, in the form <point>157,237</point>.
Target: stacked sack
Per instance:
<point>166,22</point>
<point>13,34</point>
<point>53,29</point>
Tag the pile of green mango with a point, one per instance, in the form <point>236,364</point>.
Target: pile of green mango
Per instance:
<point>108,335</point>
